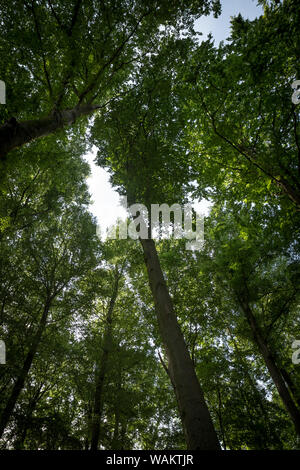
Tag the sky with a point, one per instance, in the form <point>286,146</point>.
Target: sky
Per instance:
<point>105,200</point>
<point>220,27</point>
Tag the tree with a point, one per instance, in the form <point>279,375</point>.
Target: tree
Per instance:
<point>244,127</point>
<point>102,366</point>
<point>258,267</point>
<point>83,54</point>
<point>50,260</point>
<point>95,358</point>
<point>139,140</point>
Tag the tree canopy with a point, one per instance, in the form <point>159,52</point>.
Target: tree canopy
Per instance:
<point>142,343</point>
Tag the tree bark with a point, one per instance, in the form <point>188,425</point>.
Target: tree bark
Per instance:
<point>107,339</point>
<point>219,412</point>
<point>288,379</point>
<point>19,384</point>
<point>115,444</point>
<point>25,425</point>
<point>197,424</point>
<point>272,367</point>
<point>292,193</point>
<point>245,367</point>
<point>14,134</point>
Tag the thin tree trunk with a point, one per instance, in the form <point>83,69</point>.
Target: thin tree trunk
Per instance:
<point>272,367</point>
<point>14,134</point>
<point>292,193</point>
<point>220,406</point>
<point>288,379</point>
<point>123,444</point>
<point>19,384</point>
<point>115,445</point>
<point>197,424</point>
<point>19,444</point>
<point>246,371</point>
<point>89,424</point>
<point>107,340</point>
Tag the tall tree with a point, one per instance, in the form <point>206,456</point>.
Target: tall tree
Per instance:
<point>67,61</point>
<point>143,152</point>
<point>50,257</point>
<point>260,271</point>
<point>103,362</point>
<point>243,125</point>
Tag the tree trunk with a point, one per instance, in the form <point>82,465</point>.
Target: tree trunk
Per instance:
<point>25,425</point>
<point>220,417</point>
<point>292,193</point>
<point>288,379</point>
<point>107,340</point>
<point>272,367</point>
<point>89,411</point>
<point>14,134</point>
<point>197,424</point>
<point>245,367</point>
<point>115,444</point>
<point>19,384</point>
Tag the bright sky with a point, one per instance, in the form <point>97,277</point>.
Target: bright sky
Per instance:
<point>220,27</point>
<point>105,201</point>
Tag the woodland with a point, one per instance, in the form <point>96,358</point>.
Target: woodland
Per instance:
<point>143,344</point>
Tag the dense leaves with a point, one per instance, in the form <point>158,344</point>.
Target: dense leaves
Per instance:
<point>88,361</point>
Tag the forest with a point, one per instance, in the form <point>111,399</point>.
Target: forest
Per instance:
<point>142,344</point>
